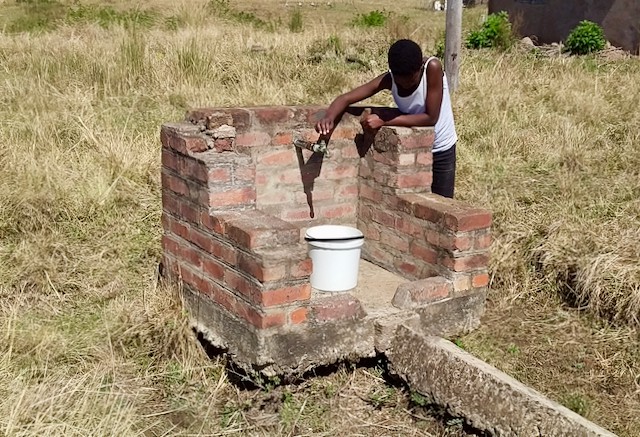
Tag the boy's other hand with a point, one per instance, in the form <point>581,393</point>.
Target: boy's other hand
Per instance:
<point>372,121</point>
<point>324,126</point>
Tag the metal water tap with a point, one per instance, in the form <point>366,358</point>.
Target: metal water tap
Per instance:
<point>317,147</point>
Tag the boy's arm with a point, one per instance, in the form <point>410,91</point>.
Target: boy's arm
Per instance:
<point>340,104</point>
<point>433,101</point>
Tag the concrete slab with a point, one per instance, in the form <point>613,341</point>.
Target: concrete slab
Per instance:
<point>376,288</point>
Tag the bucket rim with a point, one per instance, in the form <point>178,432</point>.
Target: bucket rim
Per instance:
<point>328,240</point>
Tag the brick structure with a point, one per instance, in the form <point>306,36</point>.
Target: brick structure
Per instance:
<point>238,197</point>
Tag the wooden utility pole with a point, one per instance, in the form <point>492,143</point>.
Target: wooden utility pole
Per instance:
<point>452,42</point>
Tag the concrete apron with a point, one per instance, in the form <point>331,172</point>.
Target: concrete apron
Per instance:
<point>468,387</point>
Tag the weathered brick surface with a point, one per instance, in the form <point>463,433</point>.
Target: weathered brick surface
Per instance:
<point>424,291</point>
<point>237,197</point>
<point>336,307</point>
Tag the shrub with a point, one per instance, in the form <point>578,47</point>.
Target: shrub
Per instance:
<point>295,21</point>
<point>495,32</point>
<point>372,19</point>
<point>585,38</point>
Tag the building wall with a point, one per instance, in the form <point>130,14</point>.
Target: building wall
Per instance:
<point>552,20</point>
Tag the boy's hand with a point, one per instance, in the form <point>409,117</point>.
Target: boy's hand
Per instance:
<point>324,126</point>
<point>372,121</point>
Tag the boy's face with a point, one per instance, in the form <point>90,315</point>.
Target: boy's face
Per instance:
<point>408,81</point>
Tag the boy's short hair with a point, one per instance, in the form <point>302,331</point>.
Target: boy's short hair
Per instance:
<point>405,57</point>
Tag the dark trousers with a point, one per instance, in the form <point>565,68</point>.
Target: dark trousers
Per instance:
<point>444,172</point>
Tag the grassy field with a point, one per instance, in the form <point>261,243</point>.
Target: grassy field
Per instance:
<point>92,344</point>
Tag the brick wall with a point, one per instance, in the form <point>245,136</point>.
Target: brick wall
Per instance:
<point>238,196</point>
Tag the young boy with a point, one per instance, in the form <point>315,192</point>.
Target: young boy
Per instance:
<point>420,91</point>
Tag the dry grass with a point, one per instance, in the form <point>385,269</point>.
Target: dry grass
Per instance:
<point>91,344</point>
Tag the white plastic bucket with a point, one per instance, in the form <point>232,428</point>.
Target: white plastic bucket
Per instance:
<point>335,254</point>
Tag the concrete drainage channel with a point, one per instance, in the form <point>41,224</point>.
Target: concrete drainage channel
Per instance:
<point>487,398</point>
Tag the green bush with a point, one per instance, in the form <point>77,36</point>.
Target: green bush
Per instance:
<point>372,19</point>
<point>495,32</point>
<point>585,38</point>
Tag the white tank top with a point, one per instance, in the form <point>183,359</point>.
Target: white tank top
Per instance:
<point>445,129</point>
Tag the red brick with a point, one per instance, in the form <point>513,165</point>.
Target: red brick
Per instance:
<point>424,158</point>
<point>395,241</point>
<point>409,226</point>
<point>416,293</point>
<point>407,268</point>
<point>259,319</point>
<point>253,229</point>
<point>285,295</point>
<point>482,241</point>
<point>301,269</point>
<point>275,196</point>
<point>427,211</point>
<point>223,144</point>
<point>338,211</point>
<point>272,115</point>
<point>189,212</point>
<point>213,268</point>
<point>468,220</point>
<point>261,179</point>
<point>415,180</point>
<point>367,192</point>
<point>407,201</point>
<point>242,174</point>
<point>383,158</point>
<point>316,195</point>
<point>296,214</point>
<point>194,169</point>
<point>170,160</point>
<point>253,139</point>
<point>433,237</point>
<point>212,222</point>
<point>170,245</point>
<point>298,316</point>
<point>416,140</point>
<point>344,133</point>
<point>182,143</point>
<point>456,242</point>
<point>180,229</point>
<point>384,218</point>
<point>384,257</point>
<point>286,176</point>
<point>283,139</point>
<point>174,184</point>
<point>423,252</point>
<point>255,266</point>
<point>242,285</point>
<point>339,171</point>
<point>480,280</point>
<point>336,307</point>
<point>466,263</point>
<point>234,197</point>
<point>190,254</point>
<point>223,251</point>
<point>278,158</point>
<point>347,191</point>
<point>370,232</point>
<point>219,175</point>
